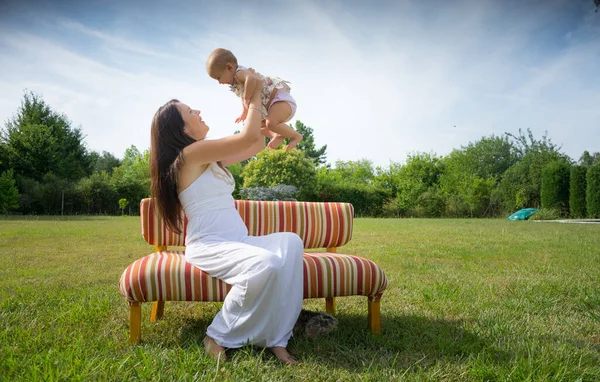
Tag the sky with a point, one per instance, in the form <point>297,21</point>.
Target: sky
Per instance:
<point>376,80</point>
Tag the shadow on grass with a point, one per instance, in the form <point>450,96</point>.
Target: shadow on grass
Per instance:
<point>405,342</point>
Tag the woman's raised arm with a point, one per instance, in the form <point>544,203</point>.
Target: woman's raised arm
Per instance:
<point>215,150</point>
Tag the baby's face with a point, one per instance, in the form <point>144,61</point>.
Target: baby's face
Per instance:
<point>224,76</point>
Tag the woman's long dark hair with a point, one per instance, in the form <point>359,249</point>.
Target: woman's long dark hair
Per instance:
<point>167,143</point>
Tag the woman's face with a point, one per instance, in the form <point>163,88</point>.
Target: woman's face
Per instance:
<point>194,127</point>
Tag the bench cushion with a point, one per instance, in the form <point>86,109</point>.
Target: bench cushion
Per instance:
<point>166,276</point>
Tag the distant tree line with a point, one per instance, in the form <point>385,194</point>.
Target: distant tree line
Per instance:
<point>45,168</point>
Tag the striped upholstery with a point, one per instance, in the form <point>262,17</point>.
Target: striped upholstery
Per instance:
<point>166,276</point>
<point>320,225</point>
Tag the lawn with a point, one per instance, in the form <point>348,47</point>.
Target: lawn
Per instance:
<point>467,300</point>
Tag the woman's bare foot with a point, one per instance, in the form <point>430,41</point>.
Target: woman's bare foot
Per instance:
<point>282,354</point>
<point>276,141</point>
<point>215,350</point>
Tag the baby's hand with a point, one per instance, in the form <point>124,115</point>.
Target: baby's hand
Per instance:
<point>242,116</point>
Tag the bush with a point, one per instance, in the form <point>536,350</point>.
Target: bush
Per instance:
<point>555,187</point>
<point>577,191</point>
<point>390,209</point>
<point>275,167</point>
<point>593,191</point>
<point>366,199</point>
<point>98,194</point>
<point>430,204</point>
<point>281,192</point>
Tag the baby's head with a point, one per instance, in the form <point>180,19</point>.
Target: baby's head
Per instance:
<point>221,65</point>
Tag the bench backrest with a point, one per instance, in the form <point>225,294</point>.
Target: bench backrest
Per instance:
<point>320,225</point>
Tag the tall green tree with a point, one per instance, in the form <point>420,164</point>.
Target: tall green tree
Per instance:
<point>38,141</point>
<point>308,144</point>
<point>3,156</point>
<point>104,162</point>
<point>593,191</point>
<point>577,191</point>
<point>555,186</point>
<point>9,194</point>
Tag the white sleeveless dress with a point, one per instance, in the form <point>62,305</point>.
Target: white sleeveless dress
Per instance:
<point>265,272</point>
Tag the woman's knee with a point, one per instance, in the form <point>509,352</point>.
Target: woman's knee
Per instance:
<point>269,266</point>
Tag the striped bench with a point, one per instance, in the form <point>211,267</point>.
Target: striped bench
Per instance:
<point>166,276</point>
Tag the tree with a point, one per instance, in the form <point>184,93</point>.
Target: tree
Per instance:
<point>276,167</point>
<point>355,172</point>
<point>593,191</point>
<point>467,190</point>
<point>522,182</point>
<point>527,143</point>
<point>38,140</point>
<point>489,157</point>
<point>131,179</point>
<point>105,162</point>
<point>122,205</point>
<point>50,193</point>
<point>97,193</point>
<point>387,178</point>
<point>419,183</point>
<point>555,186</point>
<point>472,173</point>
<point>577,191</point>
<point>308,144</point>
<point>9,194</point>
<point>3,156</point>
<point>588,159</point>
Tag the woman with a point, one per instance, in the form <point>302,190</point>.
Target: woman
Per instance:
<point>188,171</point>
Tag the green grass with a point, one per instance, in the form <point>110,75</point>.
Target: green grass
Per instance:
<point>467,300</point>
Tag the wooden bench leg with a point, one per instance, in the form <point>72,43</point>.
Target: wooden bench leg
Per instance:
<point>158,310</point>
<point>374,316</point>
<point>135,323</point>
<point>330,305</point>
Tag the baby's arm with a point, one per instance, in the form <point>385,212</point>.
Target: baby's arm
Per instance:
<point>250,81</point>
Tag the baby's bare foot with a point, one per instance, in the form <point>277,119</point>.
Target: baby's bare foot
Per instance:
<point>282,354</point>
<point>276,141</point>
<point>213,349</point>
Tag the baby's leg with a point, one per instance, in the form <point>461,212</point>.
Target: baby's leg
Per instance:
<point>279,112</point>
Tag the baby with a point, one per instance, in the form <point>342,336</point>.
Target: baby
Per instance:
<point>278,106</point>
